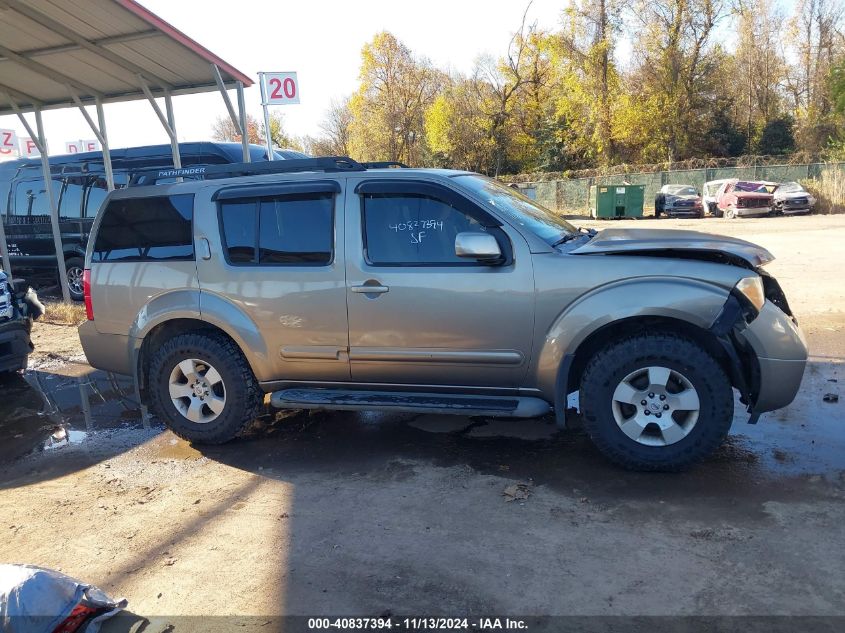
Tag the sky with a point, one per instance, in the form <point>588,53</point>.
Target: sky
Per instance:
<point>319,39</point>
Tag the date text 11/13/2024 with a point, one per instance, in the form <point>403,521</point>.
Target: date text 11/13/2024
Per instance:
<point>418,624</point>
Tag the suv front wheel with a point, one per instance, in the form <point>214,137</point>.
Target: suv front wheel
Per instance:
<point>656,402</point>
<point>203,388</point>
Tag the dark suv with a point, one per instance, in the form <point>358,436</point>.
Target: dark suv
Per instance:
<point>79,185</point>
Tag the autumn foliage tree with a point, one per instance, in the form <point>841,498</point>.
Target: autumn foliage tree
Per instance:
<point>617,81</point>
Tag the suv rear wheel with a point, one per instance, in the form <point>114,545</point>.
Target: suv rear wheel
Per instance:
<point>656,402</point>
<point>203,388</point>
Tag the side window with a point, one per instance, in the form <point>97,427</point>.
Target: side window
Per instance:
<point>70,200</point>
<point>97,191</point>
<point>413,229</point>
<point>31,197</point>
<point>159,228</point>
<point>291,229</point>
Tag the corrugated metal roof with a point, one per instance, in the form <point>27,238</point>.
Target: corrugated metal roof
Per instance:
<point>98,47</point>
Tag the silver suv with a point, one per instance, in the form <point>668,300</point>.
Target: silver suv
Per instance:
<point>331,284</point>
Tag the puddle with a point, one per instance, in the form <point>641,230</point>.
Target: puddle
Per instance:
<point>49,410</point>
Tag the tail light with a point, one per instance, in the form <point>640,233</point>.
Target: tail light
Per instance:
<point>86,291</point>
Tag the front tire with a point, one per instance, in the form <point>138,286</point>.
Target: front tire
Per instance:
<point>203,388</point>
<point>685,391</point>
<point>730,214</point>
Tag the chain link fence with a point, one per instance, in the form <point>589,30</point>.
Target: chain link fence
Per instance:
<point>572,195</point>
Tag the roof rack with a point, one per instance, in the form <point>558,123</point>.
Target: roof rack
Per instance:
<point>232,170</point>
<point>385,164</point>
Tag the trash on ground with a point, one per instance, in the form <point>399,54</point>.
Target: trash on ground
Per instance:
<point>34,599</point>
<point>516,491</point>
<point>831,397</point>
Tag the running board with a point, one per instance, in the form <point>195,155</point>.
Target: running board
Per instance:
<point>443,403</point>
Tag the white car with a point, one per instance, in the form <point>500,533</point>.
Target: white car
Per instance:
<point>792,198</point>
<point>710,195</point>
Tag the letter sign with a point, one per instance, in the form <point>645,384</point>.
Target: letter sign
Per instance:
<point>28,148</point>
<point>72,147</point>
<point>279,88</point>
<point>8,143</point>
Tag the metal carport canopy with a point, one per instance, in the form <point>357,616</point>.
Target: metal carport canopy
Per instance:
<point>71,53</point>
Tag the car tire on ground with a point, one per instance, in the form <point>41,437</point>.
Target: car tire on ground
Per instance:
<point>688,397</point>
<point>74,267</point>
<point>203,389</point>
<point>730,214</point>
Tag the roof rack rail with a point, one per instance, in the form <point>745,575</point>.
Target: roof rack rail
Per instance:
<point>232,170</point>
<point>382,164</point>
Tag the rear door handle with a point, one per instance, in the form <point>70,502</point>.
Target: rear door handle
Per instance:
<point>367,289</point>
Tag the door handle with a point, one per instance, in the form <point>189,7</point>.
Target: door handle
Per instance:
<point>367,289</point>
<point>204,248</point>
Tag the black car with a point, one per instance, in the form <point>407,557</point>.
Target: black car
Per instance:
<point>79,186</point>
<point>19,307</point>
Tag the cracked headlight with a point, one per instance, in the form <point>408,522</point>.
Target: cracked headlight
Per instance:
<point>751,288</point>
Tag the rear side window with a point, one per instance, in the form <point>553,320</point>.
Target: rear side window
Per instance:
<point>31,197</point>
<point>159,228</point>
<point>290,229</point>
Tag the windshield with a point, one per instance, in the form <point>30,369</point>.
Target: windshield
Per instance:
<point>517,209</point>
<point>681,190</point>
<point>751,187</point>
<point>791,187</point>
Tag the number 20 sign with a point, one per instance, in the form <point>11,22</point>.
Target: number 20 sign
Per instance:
<point>279,88</point>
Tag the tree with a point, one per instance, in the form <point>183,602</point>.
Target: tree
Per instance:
<point>387,111</point>
<point>586,59</point>
<point>677,63</point>
<point>278,135</point>
<point>757,68</point>
<point>224,130</point>
<point>777,137</point>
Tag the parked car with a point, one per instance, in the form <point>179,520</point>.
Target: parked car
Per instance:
<point>19,307</point>
<point>79,186</point>
<point>678,200</point>
<point>791,198</point>
<point>710,195</point>
<point>331,285</point>
<point>744,198</point>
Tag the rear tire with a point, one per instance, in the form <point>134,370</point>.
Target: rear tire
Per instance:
<point>203,389</point>
<point>74,267</point>
<point>693,377</point>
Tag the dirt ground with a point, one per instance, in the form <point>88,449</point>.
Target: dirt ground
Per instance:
<point>369,514</point>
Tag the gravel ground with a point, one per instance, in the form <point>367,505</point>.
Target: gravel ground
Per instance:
<point>370,514</point>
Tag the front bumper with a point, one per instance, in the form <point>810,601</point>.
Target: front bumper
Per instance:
<point>775,345</point>
<point>15,344</point>
<point>751,211</point>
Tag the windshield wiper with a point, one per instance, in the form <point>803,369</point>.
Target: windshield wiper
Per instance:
<point>571,236</point>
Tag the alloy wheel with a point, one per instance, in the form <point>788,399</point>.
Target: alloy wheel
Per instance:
<point>656,406</point>
<point>197,390</point>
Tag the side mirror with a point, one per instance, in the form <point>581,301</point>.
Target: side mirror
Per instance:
<point>479,246</point>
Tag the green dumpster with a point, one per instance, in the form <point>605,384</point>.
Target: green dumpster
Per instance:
<point>617,201</point>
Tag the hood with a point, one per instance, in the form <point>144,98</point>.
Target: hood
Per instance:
<point>789,195</point>
<point>751,194</point>
<point>673,243</point>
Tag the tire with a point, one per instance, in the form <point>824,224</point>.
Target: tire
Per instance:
<point>730,214</point>
<point>73,269</point>
<point>241,396</point>
<point>652,448</point>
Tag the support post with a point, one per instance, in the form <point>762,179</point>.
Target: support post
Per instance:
<point>4,250</point>
<point>168,122</point>
<point>54,210</point>
<point>244,124</point>
<point>104,141</point>
<point>266,117</point>
<point>99,130</point>
<point>171,122</point>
